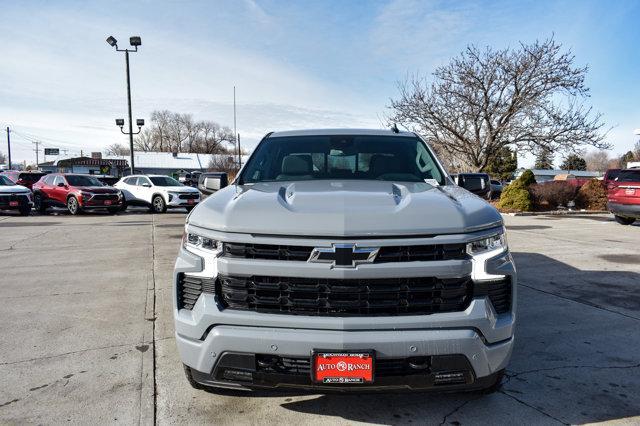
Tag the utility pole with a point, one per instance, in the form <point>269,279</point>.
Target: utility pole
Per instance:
<point>37,150</point>
<point>235,130</point>
<point>9,145</point>
<point>239,154</point>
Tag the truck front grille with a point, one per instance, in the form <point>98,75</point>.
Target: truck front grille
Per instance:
<point>430,252</point>
<point>349,297</point>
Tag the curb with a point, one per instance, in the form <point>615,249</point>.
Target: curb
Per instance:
<point>558,213</point>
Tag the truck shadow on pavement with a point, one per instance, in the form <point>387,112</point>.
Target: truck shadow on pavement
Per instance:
<point>576,359</point>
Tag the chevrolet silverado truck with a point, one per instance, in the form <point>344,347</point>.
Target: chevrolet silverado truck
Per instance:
<point>344,260</point>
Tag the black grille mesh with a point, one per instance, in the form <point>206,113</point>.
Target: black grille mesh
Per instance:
<point>349,297</point>
<point>429,252</point>
<point>190,288</point>
<point>500,295</point>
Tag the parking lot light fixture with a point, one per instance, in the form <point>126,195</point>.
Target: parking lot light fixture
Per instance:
<point>134,41</point>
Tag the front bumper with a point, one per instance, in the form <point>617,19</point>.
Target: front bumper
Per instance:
<point>626,210</point>
<point>176,201</point>
<point>207,333</point>
<point>15,201</point>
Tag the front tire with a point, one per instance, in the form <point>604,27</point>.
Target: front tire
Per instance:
<point>38,203</point>
<point>73,206</point>
<point>158,205</point>
<point>624,220</point>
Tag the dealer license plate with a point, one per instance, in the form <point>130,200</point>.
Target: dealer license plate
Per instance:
<point>630,191</point>
<point>342,367</point>
<point>107,202</point>
<point>190,201</point>
<point>13,204</point>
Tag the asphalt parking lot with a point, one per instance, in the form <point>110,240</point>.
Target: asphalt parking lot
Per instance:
<point>87,333</point>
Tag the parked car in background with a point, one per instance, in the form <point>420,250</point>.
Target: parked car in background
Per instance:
<point>210,182</point>
<point>157,192</point>
<point>24,178</point>
<point>478,183</point>
<point>611,175</point>
<point>496,188</point>
<point>189,178</point>
<point>76,192</point>
<point>14,197</point>
<point>623,196</point>
<point>107,180</point>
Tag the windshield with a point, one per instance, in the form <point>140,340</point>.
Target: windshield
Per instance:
<point>5,181</point>
<point>79,180</point>
<point>388,158</point>
<point>164,181</point>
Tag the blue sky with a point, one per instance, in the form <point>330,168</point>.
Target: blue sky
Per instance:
<point>295,64</point>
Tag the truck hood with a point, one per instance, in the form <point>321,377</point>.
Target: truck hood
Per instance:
<point>13,189</point>
<point>344,209</point>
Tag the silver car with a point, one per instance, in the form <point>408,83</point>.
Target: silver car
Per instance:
<point>344,260</point>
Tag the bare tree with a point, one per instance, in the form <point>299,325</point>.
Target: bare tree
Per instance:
<point>175,132</point>
<point>597,161</point>
<point>484,100</point>
<point>117,149</point>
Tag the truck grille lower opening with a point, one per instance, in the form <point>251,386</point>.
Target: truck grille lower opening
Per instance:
<point>348,297</point>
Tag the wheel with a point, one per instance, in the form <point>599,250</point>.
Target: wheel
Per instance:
<point>25,210</point>
<point>38,203</point>
<point>114,210</point>
<point>123,207</point>
<point>158,205</point>
<point>624,220</point>
<point>72,205</point>
<point>189,208</point>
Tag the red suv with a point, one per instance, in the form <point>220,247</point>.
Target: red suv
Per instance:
<point>26,179</point>
<point>623,195</point>
<point>77,193</point>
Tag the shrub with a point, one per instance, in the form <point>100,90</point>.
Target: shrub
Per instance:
<point>516,197</point>
<point>527,178</point>
<point>550,195</point>
<point>592,196</point>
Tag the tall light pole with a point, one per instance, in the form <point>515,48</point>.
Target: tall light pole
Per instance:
<point>134,42</point>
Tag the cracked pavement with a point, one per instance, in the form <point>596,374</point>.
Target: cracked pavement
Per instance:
<point>87,332</point>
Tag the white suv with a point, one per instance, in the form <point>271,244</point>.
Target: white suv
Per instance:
<point>157,192</point>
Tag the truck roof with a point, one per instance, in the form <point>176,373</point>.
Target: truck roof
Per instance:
<point>325,132</point>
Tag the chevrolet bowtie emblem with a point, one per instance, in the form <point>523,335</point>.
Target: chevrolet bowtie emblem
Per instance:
<point>343,255</point>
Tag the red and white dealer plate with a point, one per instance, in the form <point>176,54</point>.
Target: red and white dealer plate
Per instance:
<point>342,367</point>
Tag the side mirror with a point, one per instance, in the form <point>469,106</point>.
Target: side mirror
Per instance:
<point>146,185</point>
<point>61,184</point>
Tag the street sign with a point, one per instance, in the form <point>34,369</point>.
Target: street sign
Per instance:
<point>51,151</point>
<point>105,169</point>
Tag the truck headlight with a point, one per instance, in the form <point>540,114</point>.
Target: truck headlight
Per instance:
<point>489,244</point>
<point>198,244</point>
<point>484,249</point>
